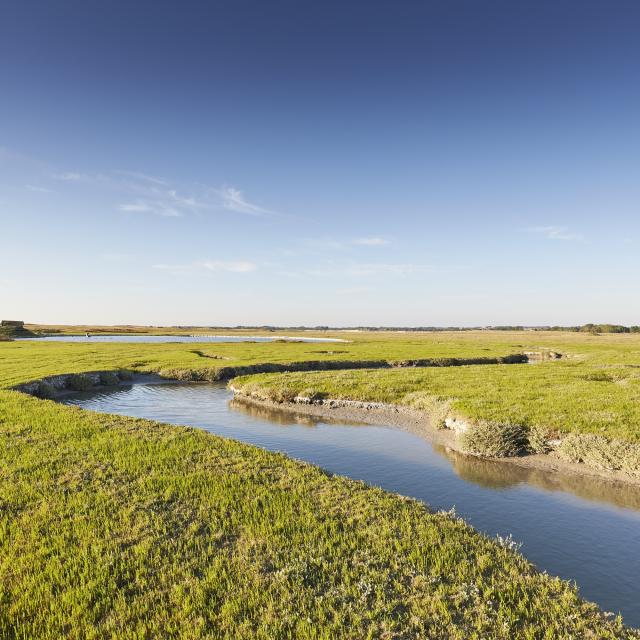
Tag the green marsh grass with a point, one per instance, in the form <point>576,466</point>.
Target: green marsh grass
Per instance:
<point>112,527</point>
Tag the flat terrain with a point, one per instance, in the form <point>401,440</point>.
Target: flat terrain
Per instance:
<point>594,388</point>
<point>116,527</point>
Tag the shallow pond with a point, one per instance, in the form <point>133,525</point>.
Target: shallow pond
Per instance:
<point>132,337</point>
<point>577,528</point>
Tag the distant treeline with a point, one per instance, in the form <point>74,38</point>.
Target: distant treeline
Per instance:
<point>585,328</point>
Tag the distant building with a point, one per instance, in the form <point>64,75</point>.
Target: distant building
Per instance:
<point>16,324</point>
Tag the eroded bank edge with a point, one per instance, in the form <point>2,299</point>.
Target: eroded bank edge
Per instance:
<point>582,454</point>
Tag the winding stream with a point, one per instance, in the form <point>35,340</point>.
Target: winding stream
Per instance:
<point>582,529</point>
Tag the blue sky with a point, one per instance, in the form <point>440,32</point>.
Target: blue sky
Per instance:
<point>377,163</point>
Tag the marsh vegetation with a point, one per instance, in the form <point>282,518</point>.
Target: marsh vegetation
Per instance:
<point>111,526</point>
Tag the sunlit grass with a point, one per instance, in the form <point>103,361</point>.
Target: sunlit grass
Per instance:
<point>112,527</point>
<point>559,396</point>
<point>116,527</point>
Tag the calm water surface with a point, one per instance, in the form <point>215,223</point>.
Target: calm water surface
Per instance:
<point>147,338</point>
<point>580,529</point>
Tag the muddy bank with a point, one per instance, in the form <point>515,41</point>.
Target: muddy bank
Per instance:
<point>53,387</point>
<point>417,422</point>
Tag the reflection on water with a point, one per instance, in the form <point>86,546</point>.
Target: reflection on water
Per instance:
<point>281,416</point>
<point>496,475</point>
<point>485,473</point>
<point>583,529</point>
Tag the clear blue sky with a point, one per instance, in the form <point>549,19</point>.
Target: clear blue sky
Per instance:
<point>399,163</point>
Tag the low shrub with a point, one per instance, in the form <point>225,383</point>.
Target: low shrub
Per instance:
<point>496,440</point>
<point>435,407</point>
<point>596,451</point>
<point>45,390</point>
<point>109,379</point>
<point>313,394</point>
<point>538,440</point>
<point>79,382</point>
<point>281,395</point>
<point>185,375</point>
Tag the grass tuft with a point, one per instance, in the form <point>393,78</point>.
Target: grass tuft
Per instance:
<point>109,379</point>
<point>538,440</point>
<point>45,390</point>
<point>79,382</point>
<point>496,440</point>
<point>600,452</point>
<point>437,408</point>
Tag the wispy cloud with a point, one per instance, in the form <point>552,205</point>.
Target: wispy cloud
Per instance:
<point>321,245</point>
<point>143,193</point>
<point>73,176</point>
<point>233,266</point>
<point>235,201</point>
<point>241,266</point>
<point>556,233</point>
<point>371,241</point>
<point>36,189</point>
<point>158,207</point>
<point>143,176</point>
<point>136,207</point>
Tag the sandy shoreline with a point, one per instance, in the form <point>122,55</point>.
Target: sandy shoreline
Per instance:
<point>417,422</point>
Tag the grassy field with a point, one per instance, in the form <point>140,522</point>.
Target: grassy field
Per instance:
<point>112,527</point>
<point>22,361</point>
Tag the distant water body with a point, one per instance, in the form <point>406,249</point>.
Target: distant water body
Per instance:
<point>133,338</point>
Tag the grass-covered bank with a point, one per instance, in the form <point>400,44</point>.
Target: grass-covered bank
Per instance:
<point>580,413</point>
<point>589,399</point>
<point>115,527</point>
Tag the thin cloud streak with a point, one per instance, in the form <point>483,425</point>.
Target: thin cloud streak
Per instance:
<point>556,233</point>
<point>143,176</point>
<point>158,208</point>
<point>371,242</point>
<point>160,197</point>
<point>37,189</point>
<point>233,200</point>
<point>323,244</point>
<point>241,266</point>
